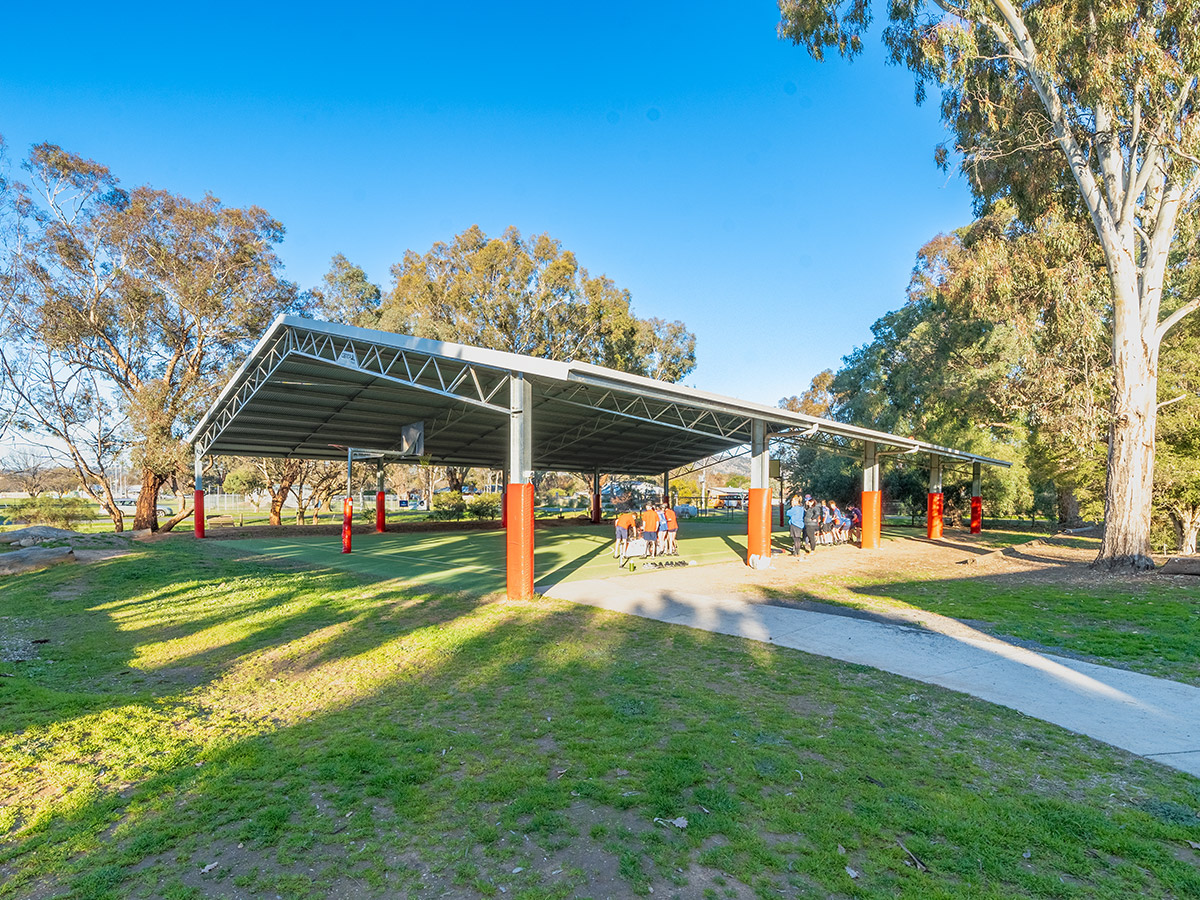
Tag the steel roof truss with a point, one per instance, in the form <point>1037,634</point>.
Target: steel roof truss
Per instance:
<point>255,381</point>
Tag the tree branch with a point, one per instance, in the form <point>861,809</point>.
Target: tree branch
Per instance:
<point>1020,43</point>
<point>1176,317</point>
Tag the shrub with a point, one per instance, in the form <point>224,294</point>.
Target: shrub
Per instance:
<point>64,513</point>
<point>485,506</point>
<point>448,505</point>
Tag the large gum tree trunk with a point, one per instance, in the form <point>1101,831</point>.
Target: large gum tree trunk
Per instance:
<point>275,515</point>
<point>1128,494</point>
<point>291,471</point>
<point>146,514</point>
<point>1186,520</point>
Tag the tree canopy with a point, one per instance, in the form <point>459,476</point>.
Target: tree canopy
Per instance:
<point>1002,348</point>
<point>1087,107</point>
<point>346,295</point>
<point>530,296</point>
<point>128,309</point>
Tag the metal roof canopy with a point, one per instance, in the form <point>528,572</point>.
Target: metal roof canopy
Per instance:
<point>308,387</point>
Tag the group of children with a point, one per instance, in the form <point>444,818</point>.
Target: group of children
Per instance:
<point>820,522</point>
<point>658,526</point>
<point>839,526</point>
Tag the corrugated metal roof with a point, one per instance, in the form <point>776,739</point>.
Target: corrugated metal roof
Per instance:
<point>310,389</point>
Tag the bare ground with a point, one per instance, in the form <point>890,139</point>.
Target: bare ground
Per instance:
<point>1047,560</point>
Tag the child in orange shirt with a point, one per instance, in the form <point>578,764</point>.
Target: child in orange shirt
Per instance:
<point>650,529</point>
<point>626,524</point>
<point>672,530</point>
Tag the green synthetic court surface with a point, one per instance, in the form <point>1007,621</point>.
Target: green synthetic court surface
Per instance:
<point>474,560</point>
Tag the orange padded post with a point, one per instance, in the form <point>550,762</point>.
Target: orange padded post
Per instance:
<point>976,515</point>
<point>518,500</point>
<point>347,523</point>
<point>758,526</point>
<point>198,513</point>
<point>872,520</point>
<point>380,517</point>
<point>933,516</point>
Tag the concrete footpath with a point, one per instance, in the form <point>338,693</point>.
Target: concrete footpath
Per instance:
<point>1151,717</point>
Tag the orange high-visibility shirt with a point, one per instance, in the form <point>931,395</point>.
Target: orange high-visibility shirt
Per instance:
<point>669,515</point>
<point>626,520</point>
<point>649,520</point>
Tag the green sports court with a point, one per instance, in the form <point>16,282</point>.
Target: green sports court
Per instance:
<point>474,561</point>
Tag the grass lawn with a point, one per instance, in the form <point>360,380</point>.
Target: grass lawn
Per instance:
<point>1148,624</point>
<point>183,723</point>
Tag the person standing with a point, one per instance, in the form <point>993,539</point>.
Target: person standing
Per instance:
<point>626,523</point>
<point>824,522</point>
<point>855,524</point>
<point>812,522</point>
<point>795,517</point>
<point>672,530</point>
<point>650,529</point>
<point>662,530</point>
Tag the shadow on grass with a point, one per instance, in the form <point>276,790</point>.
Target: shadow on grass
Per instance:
<point>153,636</point>
<point>445,744</point>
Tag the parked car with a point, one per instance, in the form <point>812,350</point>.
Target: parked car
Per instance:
<point>128,506</point>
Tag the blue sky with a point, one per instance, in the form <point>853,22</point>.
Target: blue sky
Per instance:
<point>773,204</point>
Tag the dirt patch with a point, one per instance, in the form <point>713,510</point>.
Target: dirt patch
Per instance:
<point>802,582</point>
<point>17,643</point>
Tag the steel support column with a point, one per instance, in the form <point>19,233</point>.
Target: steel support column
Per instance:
<point>933,511</point>
<point>976,499</point>
<point>596,497</point>
<point>198,498</point>
<point>758,522</point>
<point>872,505</point>
<point>519,497</point>
<point>776,472</point>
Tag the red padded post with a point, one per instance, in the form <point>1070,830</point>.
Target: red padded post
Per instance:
<point>380,517</point>
<point>347,522</point>
<point>198,513</point>
<point>976,515</point>
<point>933,517</point>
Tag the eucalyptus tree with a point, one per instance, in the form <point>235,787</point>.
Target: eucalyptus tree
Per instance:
<point>130,308</point>
<point>1001,348</point>
<point>346,295</point>
<point>1088,104</point>
<point>11,234</point>
<point>1177,475</point>
<point>529,296</point>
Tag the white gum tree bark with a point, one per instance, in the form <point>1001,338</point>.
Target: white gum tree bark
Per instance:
<point>1107,86</point>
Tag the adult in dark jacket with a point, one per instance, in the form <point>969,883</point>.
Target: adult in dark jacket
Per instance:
<point>812,522</point>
